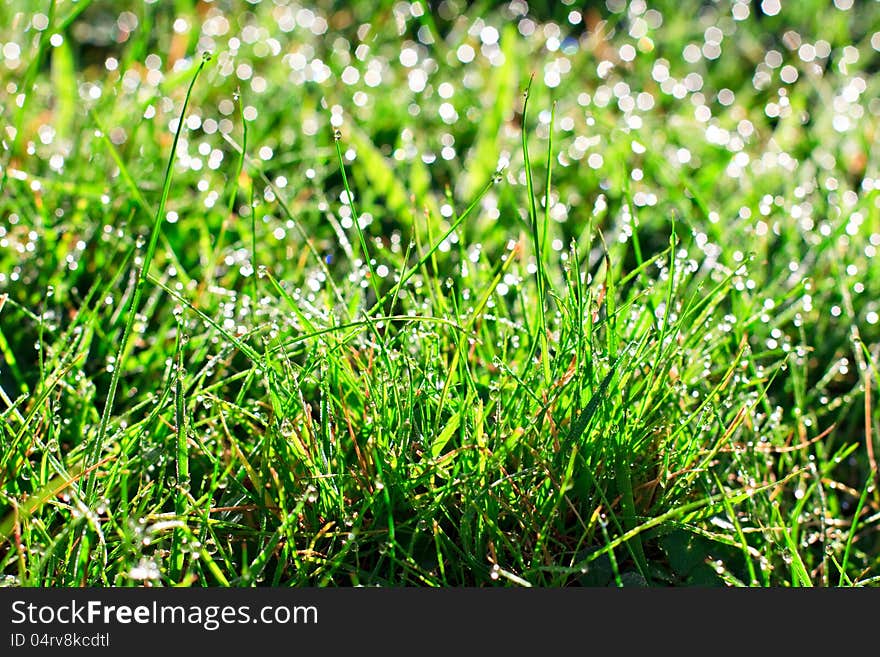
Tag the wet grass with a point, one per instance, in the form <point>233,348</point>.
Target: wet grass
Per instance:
<point>463,297</point>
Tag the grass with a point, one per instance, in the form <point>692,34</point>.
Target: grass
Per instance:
<point>459,297</point>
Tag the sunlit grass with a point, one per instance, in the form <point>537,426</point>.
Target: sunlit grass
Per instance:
<point>464,297</point>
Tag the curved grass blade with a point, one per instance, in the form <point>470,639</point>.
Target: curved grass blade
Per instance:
<point>143,277</point>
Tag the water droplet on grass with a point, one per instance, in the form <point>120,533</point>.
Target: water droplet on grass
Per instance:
<point>146,569</point>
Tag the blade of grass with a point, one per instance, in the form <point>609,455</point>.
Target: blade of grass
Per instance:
<point>143,278</point>
<point>537,244</point>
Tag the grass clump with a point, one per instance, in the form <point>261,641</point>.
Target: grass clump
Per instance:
<point>355,301</point>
